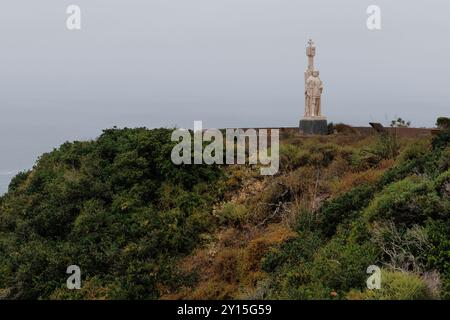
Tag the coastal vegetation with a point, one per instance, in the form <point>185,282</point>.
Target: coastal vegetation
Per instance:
<point>141,227</point>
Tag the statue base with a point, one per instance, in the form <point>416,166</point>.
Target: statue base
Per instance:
<point>314,125</point>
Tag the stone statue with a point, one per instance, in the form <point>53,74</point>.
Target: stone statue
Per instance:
<point>313,92</point>
<point>313,85</point>
<point>313,122</point>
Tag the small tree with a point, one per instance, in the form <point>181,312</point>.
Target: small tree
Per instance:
<point>400,123</point>
<point>443,123</point>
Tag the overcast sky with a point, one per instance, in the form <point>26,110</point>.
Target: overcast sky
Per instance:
<point>230,63</point>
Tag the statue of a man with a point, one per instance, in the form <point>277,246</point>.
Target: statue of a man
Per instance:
<point>314,88</point>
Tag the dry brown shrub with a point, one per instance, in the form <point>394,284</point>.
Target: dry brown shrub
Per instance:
<point>264,204</point>
<point>337,168</point>
<point>386,164</point>
<point>250,282</point>
<point>227,265</point>
<point>248,190</point>
<point>231,237</point>
<point>238,177</point>
<point>233,261</point>
<point>300,180</point>
<point>354,179</point>
<point>257,248</point>
<point>212,290</point>
<point>345,129</point>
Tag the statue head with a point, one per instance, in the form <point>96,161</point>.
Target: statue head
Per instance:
<point>315,73</point>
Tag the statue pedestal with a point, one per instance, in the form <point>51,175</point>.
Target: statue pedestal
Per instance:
<point>314,125</point>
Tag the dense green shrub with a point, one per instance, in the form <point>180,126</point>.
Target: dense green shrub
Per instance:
<point>341,264</point>
<point>345,208</point>
<point>232,214</point>
<point>442,140</point>
<point>117,207</point>
<point>443,122</point>
<point>17,180</point>
<point>293,252</point>
<point>323,154</point>
<point>290,268</point>
<point>292,156</point>
<point>414,150</point>
<point>305,268</point>
<point>396,286</point>
<point>363,160</point>
<point>406,202</point>
<point>442,185</point>
<point>402,170</point>
<point>439,255</point>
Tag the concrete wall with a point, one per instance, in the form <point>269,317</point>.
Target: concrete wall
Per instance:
<point>366,131</point>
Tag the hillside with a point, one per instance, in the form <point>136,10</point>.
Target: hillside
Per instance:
<point>142,228</point>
